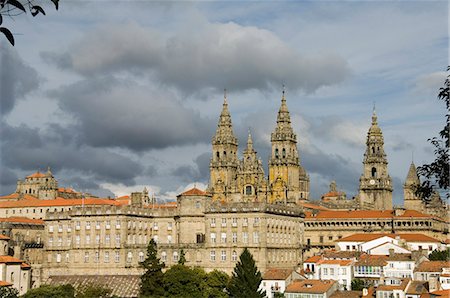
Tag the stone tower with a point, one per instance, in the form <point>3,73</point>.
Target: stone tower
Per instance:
<point>40,185</point>
<point>288,180</point>
<point>375,184</point>
<point>224,161</point>
<point>411,200</point>
<point>251,181</point>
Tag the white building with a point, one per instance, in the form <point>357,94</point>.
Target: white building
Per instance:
<point>311,288</point>
<point>317,267</point>
<point>276,280</point>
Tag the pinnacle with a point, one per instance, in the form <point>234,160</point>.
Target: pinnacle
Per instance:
<point>249,141</point>
<point>412,177</point>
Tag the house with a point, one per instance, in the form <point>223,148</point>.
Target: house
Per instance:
<point>311,288</point>
<point>275,280</point>
<point>317,267</point>
<point>416,288</point>
<point>397,291</point>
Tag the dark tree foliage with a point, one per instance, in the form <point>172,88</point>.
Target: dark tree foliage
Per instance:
<point>246,278</point>
<point>357,284</point>
<point>63,291</point>
<point>8,292</point>
<point>182,281</point>
<point>440,255</point>
<point>182,258</point>
<point>13,8</point>
<point>216,282</point>
<point>151,280</point>
<point>436,174</point>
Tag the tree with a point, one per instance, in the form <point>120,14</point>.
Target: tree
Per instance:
<point>440,255</point>
<point>216,283</point>
<point>182,258</point>
<point>182,281</point>
<point>151,280</point>
<point>357,284</point>
<point>13,8</point>
<point>436,174</point>
<point>47,291</point>
<point>9,292</point>
<point>246,278</point>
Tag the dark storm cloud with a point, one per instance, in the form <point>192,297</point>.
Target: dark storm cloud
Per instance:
<point>197,172</point>
<point>16,78</point>
<point>8,180</point>
<point>205,56</point>
<point>19,151</point>
<point>112,113</point>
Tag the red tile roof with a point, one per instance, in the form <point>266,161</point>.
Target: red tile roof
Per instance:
<point>5,283</point>
<point>336,262</point>
<point>337,214</point>
<point>417,287</point>
<point>25,266</point>
<point>401,286</point>
<point>372,260</point>
<point>9,259</point>
<point>17,219</point>
<point>37,175</point>
<point>313,206</point>
<point>193,192</point>
<point>414,237</point>
<point>432,266</point>
<point>313,286</point>
<point>441,293</point>
<point>3,237</point>
<point>277,274</point>
<point>313,259</point>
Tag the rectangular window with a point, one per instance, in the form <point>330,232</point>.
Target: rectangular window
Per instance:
<point>107,239</point>
<point>330,237</point>
<point>344,271</point>
<point>117,224</point>
<point>213,237</point>
<point>96,257</point>
<point>97,239</point>
<point>331,271</point>
<point>169,239</point>
<point>117,257</point>
<point>117,239</point>
<point>108,224</point>
<point>88,239</point>
<point>223,255</point>
<point>169,226</point>
<point>60,228</point>
<point>97,225</point>
<point>245,223</point>
<point>58,258</point>
<point>77,240</point>
<point>325,271</point>
<point>155,226</point>
<point>50,241</point>
<point>88,225</point>
<point>348,247</point>
<point>255,237</point>
<point>213,255</point>
<point>256,221</point>
<point>213,222</point>
<point>224,222</point>
<point>223,237</point>
<point>50,229</point>
<point>234,222</point>
<point>77,225</point>
<point>245,237</point>
<point>234,237</point>
<point>60,241</point>
<point>321,239</point>
<point>106,257</point>
<point>86,257</point>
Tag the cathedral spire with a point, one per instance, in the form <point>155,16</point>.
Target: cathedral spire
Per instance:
<point>412,178</point>
<point>249,141</point>
<point>283,113</point>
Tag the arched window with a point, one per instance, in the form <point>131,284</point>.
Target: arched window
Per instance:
<point>234,256</point>
<point>217,154</point>
<point>284,153</point>
<point>276,153</point>
<point>12,276</point>
<point>248,190</point>
<point>164,256</point>
<point>141,256</point>
<point>373,149</point>
<point>374,172</point>
<point>175,256</point>
<point>129,257</point>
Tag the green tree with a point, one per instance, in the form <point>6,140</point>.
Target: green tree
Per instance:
<point>47,291</point>
<point>182,258</point>
<point>440,255</point>
<point>8,292</point>
<point>246,278</point>
<point>182,281</point>
<point>13,8</point>
<point>436,174</point>
<point>216,284</point>
<point>357,284</point>
<point>151,280</point>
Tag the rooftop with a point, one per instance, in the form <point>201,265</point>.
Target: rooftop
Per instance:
<point>277,274</point>
<point>432,266</point>
<point>312,286</point>
<point>375,214</point>
<point>360,237</point>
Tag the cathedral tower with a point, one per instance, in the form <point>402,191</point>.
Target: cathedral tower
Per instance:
<point>288,181</point>
<point>375,184</point>
<point>411,200</point>
<point>250,177</point>
<point>224,161</point>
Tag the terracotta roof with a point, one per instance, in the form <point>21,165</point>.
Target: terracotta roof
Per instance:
<point>372,260</point>
<point>417,287</point>
<point>313,286</point>
<point>5,283</point>
<point>25,266</point>
<point>11,196</point>
<point>37,175</point>
<point>334,254</point>
<point>60,202</point>
<point>336,262</point>
<point>401,286</point>
<point>26,220</point>
<point>193,192</point>
<point>277,274</point>
<point>346,294</point>
<point>432,266</point>
<point>441,293</point>
<point>360,237</point>
<point>337,214</point>
<point>313,206</point>
<point>9,259</point>
<point>67,190</point>
<point>313,259</point>
<point>4,237</point>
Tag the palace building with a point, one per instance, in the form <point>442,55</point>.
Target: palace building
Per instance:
<point>271,214</point>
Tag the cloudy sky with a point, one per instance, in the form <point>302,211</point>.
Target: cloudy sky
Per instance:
<point>115,96</point>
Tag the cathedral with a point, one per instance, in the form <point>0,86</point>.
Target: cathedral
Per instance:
<point>234,180</point>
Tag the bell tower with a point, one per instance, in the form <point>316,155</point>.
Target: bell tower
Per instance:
<point>375,184</point>
<point>288,181</point>
<point>224,162</point>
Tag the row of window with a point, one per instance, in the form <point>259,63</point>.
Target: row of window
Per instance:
<point>106,257</point>
<point>325,271</point>
<point>117,224</point>
<point>234,222</point>
<point>234,237</point>
<point>223,255</point>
